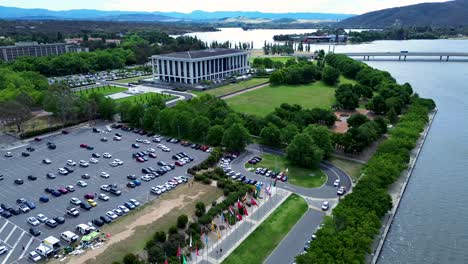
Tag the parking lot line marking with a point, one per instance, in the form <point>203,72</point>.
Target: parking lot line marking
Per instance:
<point>9,235</point>
<point>4,225</point>
<point>14,246</point>
<point>26,248</point>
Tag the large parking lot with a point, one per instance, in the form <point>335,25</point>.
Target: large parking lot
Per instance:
<point>14,231</point>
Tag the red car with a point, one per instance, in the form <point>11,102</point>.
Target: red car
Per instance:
<point>89,196</point>
<point>63,191</point>
<point>83,145</point>
<point>37,139</point>
<point>140,159</point>
<point>152,155</point>
<point>178,163</point>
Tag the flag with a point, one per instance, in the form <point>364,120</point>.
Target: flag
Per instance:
<point>184,260</point>
<point>267,190</point>
<point>244,198</point>
<point>222,217</point>
<point>231,210</point>
<point>219,233</point>
<point>165,261</point>
<point>239,217</point>
<point>253,202</point>
<point>245,212</point>
<point>206,241</point>
<point>239,205</point>
<point>178,251</point>
<point>212,225</point>
<point>196,251</point>
<point>190,244</point>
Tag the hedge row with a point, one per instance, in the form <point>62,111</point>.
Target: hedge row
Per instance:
<point>347,236</point>
<point>47,130</point>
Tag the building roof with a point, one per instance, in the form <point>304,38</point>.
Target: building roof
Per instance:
<point>198,54</point>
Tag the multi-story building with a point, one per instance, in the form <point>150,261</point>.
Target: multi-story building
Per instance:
<point>34,49</point>
<point>192,67</point>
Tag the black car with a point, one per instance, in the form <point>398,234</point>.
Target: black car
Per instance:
<point>168,139</point>
<point>95,130</point>
<point>32,178</point>
<point>85,206</point>
<point>25,154</point>
<point>135,155</point>
<point>131,177</point>
<point>96,155</point>
<point>51,145</point>
<point>145,170</point>
<point>59,219</point>
<point>56,193</point>
<point>5,207</point>
<point>34,231</point>
<point>85,176</point>
<point>14,211</point>
<point>6,214</point>
<point>30,149</point>
<point>118,134</point>
<point>48,190</point>
<point>105,219</point>
<point>98,222</point>
<point>19,181</point>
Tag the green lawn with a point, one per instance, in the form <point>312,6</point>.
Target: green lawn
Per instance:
<point>259,245</point>
<point>134,79</point>
<point>104,90</point>
<point>143,98</point>
<point>234,87</point>
<point>298,176</point>
<point>352,168</point>
<point>283,59</point>
<point>263,101</point>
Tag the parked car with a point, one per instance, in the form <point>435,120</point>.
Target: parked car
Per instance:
<point>325,205</point>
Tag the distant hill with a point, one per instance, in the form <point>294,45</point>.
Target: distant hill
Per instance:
<point>452,13</point>
<point>14,13</point>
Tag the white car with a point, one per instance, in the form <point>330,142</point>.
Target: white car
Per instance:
<point>107,155</point>
<point>104,174</point>
<point>119,162</point>
<point>34,256</point>
<point>105,188</point>
<point>181,178</point>
<point>46,161</point>
<point>124,209</point>
<point>42,218</point>
<point>166,149</point>
<point>151,150</point>
<point>117,138</point>
<point>75,201</point>
<point>93,160</point>
<point>8,154</point>
<point>113,164</point>
<point>84,163</point>
<point>160,146</point>
<point>33,221</point>
<point>111,215</point>
<point>81,183</point>
<point>325,205</point>
<point>336,183</point>
<point>146,141</point>
<point>161,188</point>
<point>135,202</point>
<point>146,178</point>
<point>103,197</point>
<point>71,163</point>
<point>62,171</point>
<point>341,191</point>
<point>156,190</point>
<point>139,140</point>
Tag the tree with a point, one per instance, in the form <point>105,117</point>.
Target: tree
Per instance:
<point>304,152</point>
<point>236,137</point>
<point>131,259</point>
<point>182,221</point>
<point>271,135</point>
<point>160,236</point>
<point>288,133</point>
<point>346,98</point>
<point>14,112</point>
<point>215,135</point>
<point>356,120</point>
<point>322,138</point>
<point>392,116</point>
<point>150,117</point>
<point>377,104</point>
<point>199,128</point>
<point>277,78</point>
<point>330,75</point>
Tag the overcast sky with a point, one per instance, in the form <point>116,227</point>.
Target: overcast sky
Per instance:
<point>186,6</point>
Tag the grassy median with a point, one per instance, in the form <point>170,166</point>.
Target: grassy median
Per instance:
<point>145,97</point>
<point>308,178</point>
<point>259,245</point>
<point>354,169</point>
<point>104,90</point>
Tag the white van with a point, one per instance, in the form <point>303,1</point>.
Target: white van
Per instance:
<point>84,229</point>
<point>69,236</point>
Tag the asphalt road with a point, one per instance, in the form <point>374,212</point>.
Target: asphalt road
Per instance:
<point>14,231</point>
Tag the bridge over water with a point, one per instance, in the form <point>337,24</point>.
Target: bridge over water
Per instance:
<point>403,55</point>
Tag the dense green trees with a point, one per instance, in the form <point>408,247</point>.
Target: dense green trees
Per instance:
<point>304,152</point>
<point>330,75</point>
<point>346,98</point>
<point>236,137</point>
<point>12,84</point>
<point>322,137</point>
<point>357,120</point>
<point>271,135</point>
<point>303,72</point>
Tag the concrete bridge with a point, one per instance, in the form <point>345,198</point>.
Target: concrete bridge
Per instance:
<point>404,54</point>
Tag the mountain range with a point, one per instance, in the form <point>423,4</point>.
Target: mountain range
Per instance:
<point>451,13</point>
<point>14,13</point>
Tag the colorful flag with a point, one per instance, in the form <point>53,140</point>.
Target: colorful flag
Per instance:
<point>165,261</point>
<point>231,210</point>
<point>222,217</point>
<point>219,233</point>
<point>190,244</point>
<point>244,198</point>
<point>178,251</point>
<point>253,202</point>
<point>239,217</point>
<point>245,212</point>
<point>196,251</point>
<point>212,225</point>
<point>184,260</point>
<point>239,205</point>
<point>206,241</point>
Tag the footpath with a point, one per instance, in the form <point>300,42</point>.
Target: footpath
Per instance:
<point>397,191</point>
<point>218,249</point>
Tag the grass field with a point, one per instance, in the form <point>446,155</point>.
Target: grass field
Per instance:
<point>263,101</point>
<point>143,98</point>
<point>234,87</point>
<point>259,245</point>
<point>136,242</point>
<point>104,90</point>
<point>298,176</point>
<point>283,59</point>
<point>350,167</point>
<point>134,79</point>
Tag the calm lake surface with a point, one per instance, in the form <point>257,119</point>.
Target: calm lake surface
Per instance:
<point>431,225</point>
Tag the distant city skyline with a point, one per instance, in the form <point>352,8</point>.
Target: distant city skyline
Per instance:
<point>186,6</point>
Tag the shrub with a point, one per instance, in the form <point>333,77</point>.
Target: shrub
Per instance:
<point>182,221</point>
<point>207,181</point>
<point>160,237</point>
<point>172,230</point>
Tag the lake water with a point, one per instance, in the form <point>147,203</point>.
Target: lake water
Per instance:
<point>431,225</point>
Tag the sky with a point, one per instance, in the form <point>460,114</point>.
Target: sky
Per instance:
<point>186,6</point>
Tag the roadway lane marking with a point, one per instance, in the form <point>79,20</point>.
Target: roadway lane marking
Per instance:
<point>9,235</point>
<point>26,248</point>
<point>13,248</point>
<point>3,227</point>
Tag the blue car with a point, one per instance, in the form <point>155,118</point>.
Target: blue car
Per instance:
<point>44,199</point>
<point>137,182</point>
<point>56,193</point>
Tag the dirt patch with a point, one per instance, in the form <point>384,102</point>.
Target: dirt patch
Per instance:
<point>341,125</point>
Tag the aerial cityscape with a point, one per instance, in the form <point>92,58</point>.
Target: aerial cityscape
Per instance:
<point>233,132</point>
